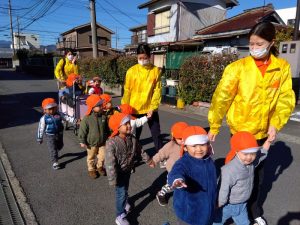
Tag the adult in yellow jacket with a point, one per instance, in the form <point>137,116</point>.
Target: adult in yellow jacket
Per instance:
<point>256,94</point>
<point>65,67</point>
<point>142,91</point>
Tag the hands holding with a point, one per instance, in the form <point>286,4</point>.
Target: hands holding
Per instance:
<point>151,163</point>
<point>211,137</point>
<point>149,114</point>
<point>272,133</point>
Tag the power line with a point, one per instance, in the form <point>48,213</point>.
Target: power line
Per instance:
<point>113,16</point>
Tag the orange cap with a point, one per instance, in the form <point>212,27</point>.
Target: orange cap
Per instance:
<point>93,101</point>
<point>177,129</point>
<point>48,103</point>
<point>106,98</point>
<point>193,135</point>
<point>241,141</point>
<point>126,108</point>
<point>71,78</point>
<point>117,120</point>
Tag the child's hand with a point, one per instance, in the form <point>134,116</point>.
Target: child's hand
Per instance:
<point>267,143</point>
<point>83,145</point>
<point>179,183</point>
<point>149,115</point>
<point>40,141</point>
<point>151,164</point>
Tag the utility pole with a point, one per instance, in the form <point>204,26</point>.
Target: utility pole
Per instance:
<point>94,28</point>
<point>11,27</point>
<point>19,45</point>
<point>296,26</point>
<point>116,38</point>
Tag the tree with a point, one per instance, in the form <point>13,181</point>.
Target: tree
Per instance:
<point>283,34</point>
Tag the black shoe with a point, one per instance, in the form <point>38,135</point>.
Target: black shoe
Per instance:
<point>162,200</point>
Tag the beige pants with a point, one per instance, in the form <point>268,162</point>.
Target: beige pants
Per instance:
<point>95,157</point>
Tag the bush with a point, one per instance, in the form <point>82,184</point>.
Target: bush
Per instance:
<point>111,69</point>
<point>199,76</point>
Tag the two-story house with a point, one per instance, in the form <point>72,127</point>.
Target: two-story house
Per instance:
<point>139,35</point>
<point>172,21</point>
<point>80,40</point>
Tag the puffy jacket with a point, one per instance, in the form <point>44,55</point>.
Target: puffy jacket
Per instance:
<point>253,102</point>
<point>93,130</point>
<point>142,89</point>
<point>62,71</point>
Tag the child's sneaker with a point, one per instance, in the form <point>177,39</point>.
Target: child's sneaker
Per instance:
<point>101,171</point>
<point>121,220</point>
<point>93,174</point>
<point>127,207</point>
<point>162,200</point>
<point>162,164</point>
<point>56,166</point>
<point>260,221</point>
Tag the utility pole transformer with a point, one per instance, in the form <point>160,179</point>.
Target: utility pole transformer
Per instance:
<point>11,27</point>
<point>94,28</point>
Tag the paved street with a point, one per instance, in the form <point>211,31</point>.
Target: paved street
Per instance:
<point>69,196</point>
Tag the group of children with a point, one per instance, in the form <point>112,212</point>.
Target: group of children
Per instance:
<point>108,134</point>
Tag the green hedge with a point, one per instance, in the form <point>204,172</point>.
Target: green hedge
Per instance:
<point>111,69</point>
<point>199,76</point>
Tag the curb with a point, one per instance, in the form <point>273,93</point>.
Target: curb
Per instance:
<point>20,197</point>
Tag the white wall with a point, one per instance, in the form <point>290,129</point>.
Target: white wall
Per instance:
<point>192,23</point>
<point>27,41</point>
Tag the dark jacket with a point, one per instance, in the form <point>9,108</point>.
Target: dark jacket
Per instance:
<point>93,130</point>
<point>120,155</point>
<point>194,204</point>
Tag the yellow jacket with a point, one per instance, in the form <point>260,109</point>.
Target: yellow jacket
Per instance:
<point>142,89</point>
<point>68,69</point>
<point>251,101</point>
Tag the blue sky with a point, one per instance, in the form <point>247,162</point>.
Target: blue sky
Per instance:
<point>117,15</point>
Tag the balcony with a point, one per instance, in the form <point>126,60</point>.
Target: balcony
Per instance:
<point>137,39</point>
<point>65,44</point>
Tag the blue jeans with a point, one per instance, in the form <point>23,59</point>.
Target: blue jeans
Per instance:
<point>238,212</point>
<point>122,192</point>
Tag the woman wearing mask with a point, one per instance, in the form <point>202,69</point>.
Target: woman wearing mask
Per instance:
<point>256,95</point>
<point>142,91</point>
<point>65,67</point>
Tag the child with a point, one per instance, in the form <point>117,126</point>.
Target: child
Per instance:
<point>171,153</point>
<point>134,122</point>
<point>93,132</point>
<point>121,148</point>
<point>96,89</point>
<point>51,124</point>
<point>194,177</point>
<point>108,109</point>
<point>74,83</point>
<point>237,177</point>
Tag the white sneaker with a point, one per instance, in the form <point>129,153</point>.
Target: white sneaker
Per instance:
<point>56,166</point>
<point>127,207</point>
<point>121,220</point>
<point>260,221</point>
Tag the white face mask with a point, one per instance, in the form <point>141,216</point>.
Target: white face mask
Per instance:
<point>70,57</point>
<point>144,62</point>
<point>259,53</point>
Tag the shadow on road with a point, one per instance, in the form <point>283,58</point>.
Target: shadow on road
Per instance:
<point>12,75</point>
<point>279,158</point>
<point>75,156</point>
<point>289,217</point>
<point>21,109</point>
<point>151,192</point>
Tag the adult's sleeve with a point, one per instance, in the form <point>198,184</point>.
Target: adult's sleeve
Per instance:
<point>59,74</point>
<point>286,100</point>
<point>127,92</point>
<point>223,97</point>
<point>156,98</point>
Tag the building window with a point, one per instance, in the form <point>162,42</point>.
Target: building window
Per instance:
<point>100,41</point>
<point>291,22</point>
<point>142,36</point>
<point>284,48</point>
<point>162,22</point>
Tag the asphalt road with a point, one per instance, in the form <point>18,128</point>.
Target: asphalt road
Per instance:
<point>69,196</point>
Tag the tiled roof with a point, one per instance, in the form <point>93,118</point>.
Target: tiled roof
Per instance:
<point>242,21</point>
